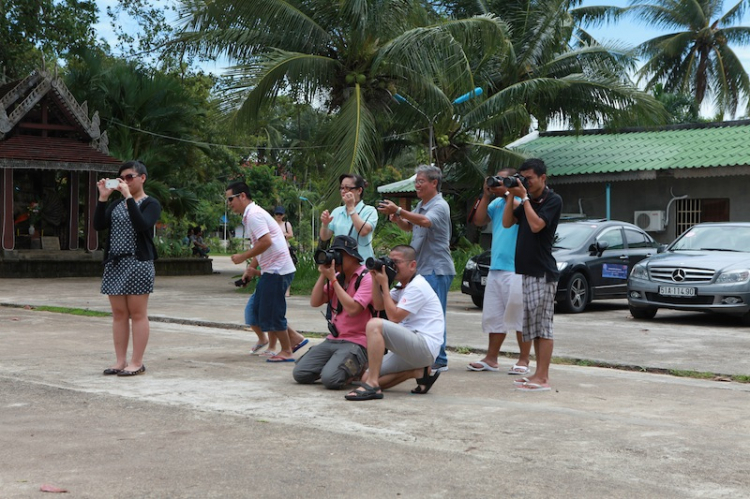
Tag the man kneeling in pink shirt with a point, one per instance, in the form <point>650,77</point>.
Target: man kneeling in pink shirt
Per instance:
<point>347,288</point>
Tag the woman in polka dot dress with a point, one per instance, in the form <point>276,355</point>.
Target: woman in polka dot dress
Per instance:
<point>128,262</point>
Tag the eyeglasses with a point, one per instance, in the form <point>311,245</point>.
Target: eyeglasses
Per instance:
<point>421,181</point>
<point>129,176</point>
<point>229,199</point>
<point>348,188</point>
<point>399,262</point>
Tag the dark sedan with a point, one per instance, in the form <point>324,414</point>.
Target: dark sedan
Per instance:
<point>594,258</point>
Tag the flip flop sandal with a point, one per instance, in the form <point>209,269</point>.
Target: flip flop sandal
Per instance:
<point>256,348</point>
<point>521,381</point>
<point>485,367</point>
<point>369,393</point>
<point>427,381</point>
<point>533,387</point>
<point>518,370</point>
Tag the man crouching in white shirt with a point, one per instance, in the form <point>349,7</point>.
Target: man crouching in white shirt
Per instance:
<point>413,334</point>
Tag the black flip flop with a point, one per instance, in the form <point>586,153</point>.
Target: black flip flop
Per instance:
<point>427,381</point>
<point>369,393</point>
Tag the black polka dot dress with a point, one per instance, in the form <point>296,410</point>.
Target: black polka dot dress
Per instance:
<point>124,274</point>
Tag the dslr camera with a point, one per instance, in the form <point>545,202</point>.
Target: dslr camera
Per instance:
<point>493,182</point>
<point>514,180</point>
<point>378,263</point>
<point>326,256</point>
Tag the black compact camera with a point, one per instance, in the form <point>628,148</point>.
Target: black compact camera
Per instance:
<point>325,257</point>
<point>494,182</point>
<point>514,180</point>
<point>240,283</point>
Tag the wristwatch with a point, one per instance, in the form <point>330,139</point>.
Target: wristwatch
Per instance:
<point>525,198</point>
<point>398,212</point>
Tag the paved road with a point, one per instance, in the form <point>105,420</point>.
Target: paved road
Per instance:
<point>208,420</point>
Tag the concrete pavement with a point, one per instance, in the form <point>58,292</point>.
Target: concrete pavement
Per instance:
<point>208,420</point>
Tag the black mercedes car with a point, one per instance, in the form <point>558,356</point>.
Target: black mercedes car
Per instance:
<point>594,258</point>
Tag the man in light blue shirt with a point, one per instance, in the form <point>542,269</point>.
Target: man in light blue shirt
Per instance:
<point>503,294</point>
<point>430,225</point>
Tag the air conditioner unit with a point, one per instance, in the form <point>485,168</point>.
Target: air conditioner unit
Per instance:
<point>652,221</point>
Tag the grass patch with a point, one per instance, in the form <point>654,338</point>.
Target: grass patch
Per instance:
<point>73,311</point>
<point>464,350</point>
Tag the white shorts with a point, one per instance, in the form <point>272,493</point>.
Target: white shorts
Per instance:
<point>503,302</point>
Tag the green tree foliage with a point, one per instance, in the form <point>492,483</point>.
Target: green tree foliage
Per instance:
<point>694,57</point>
<point>33,30</point>
<point>354,55</point>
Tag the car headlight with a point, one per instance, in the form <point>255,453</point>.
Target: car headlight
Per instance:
<point>733,276</point>
<point>561,265</point>
<point>639,272</point>
<point>471,265</point>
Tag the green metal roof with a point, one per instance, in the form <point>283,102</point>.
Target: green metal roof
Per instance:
<point>706,145</point>
<point>402,186</point>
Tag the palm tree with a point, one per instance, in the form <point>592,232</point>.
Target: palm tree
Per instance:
<point>695,57</point>
<point>554,72</point>
<point>352,56</point>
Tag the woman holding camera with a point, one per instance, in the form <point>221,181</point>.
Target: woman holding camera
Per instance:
<point>128,261</point>
<point>354,219</point>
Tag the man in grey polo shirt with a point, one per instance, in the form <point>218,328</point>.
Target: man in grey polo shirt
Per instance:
<point>430,225</point>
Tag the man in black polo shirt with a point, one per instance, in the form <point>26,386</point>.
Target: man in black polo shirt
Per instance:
<point>537,217</point>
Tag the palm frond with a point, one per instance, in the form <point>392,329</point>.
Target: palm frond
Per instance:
<point>353,136</point>
<point>268,75</point>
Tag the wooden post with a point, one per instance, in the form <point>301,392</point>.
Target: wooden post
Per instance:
<point>73,209</point>
<point>7,228</point>
<point>92,194</point>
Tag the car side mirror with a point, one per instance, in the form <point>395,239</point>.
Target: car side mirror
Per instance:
<point>598,248</point>
<point>661,248</point>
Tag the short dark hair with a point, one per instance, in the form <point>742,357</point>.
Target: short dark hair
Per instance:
<point>535,164</point>
<point>409,252</point>
<point>136,165</point>
<point>239,188</point>
<point>359,181</point>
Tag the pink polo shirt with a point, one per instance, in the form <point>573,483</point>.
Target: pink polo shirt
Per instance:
<point>353,328</point>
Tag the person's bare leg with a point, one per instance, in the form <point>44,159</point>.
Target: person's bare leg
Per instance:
<point>286,346</point>
<point>375,349</point>
<point>393,379</point>
<point>138,308</point>
<point>524,357</point>
<point>120,329</point>
<point>493,350</point>
<point>294,337</point>
<point>543,350</point>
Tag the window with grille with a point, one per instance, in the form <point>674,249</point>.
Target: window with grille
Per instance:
<point>694,211</point>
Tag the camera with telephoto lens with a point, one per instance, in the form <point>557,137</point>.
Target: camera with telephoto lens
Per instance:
<point>514,180</point>
<point>493,182</point>
<point>325,257</point>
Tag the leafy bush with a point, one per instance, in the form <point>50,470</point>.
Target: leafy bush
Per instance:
<point>171,248</point>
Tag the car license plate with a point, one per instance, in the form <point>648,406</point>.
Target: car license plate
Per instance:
<point>676,291</point>
<point>483,280</point>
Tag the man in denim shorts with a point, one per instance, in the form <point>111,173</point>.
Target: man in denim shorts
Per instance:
<point>537,217</point>
<point>276,266</point>
<point>412,334</point>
